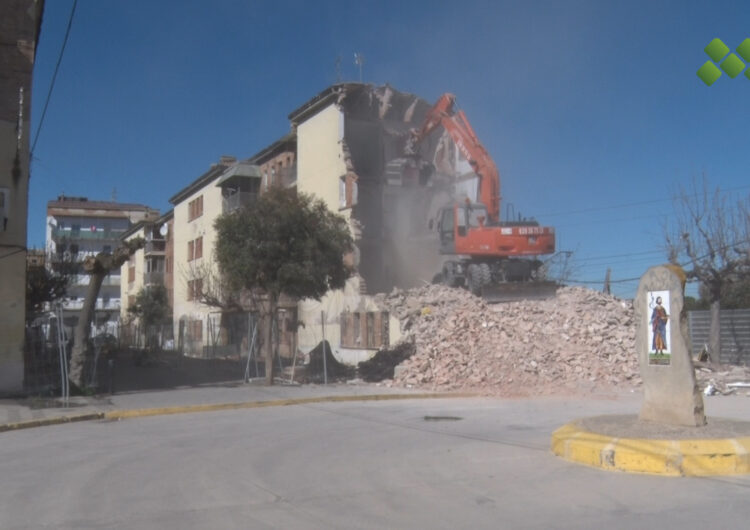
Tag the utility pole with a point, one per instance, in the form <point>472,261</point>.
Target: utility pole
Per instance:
<point>606,288</point>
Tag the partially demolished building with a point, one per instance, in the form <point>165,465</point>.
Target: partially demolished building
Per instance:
<point>351,145</point>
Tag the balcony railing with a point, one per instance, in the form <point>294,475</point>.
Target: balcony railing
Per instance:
<point>155,246</point>
<point>84,279</point>
<point>100,304</point>
<point>238,200</point>
<point>151,278</point>
<point>287,176</point>
<point>73,235</point>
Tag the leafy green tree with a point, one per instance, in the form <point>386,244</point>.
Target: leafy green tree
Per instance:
<point>47,284</point>
<point>285,243</point>
<point>152,309</point>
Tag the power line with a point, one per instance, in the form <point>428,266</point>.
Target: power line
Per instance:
<point>645,253</point>
<point>626,205</point>
<point>683,265</point>
<point>54,78</point>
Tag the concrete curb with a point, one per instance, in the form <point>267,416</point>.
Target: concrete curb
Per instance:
<point>162,411</point>
<point>696,457</point>
<point>184,409</point>
<point>42,422</point>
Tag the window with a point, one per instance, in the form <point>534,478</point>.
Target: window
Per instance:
<point>195,249</point>
<point>195,330</point>
<point>195,208</point>
<point>366,330</point>
<point>194,289</point>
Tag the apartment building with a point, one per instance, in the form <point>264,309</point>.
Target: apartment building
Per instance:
<point>351,145</point>
<point>78,227</point>
<point>277,163</point>
<point>148,266</point>
<point>227,185</point>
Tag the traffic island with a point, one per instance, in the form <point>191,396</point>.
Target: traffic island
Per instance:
<point>671,435</point>
<point>626,443</point>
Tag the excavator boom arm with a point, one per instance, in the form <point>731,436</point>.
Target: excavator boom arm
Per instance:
<point>458,126</point>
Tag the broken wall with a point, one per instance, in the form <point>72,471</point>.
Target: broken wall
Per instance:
<point>351,143</point>
<point>397,197</point>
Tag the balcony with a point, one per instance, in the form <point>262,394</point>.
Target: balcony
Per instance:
<point>84,279</point>
<point>237,200</point>
<point>59,234</point>
<point>111,304</point>
<point>154,278</point>
<point>155,247</point>
<point>286,176</point>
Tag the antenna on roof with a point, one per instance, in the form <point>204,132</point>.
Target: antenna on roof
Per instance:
<point>338,69</point>
<point>114,194</point>
<point>359,60</point>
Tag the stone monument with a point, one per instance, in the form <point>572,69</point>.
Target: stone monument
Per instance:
<point>671,395</point>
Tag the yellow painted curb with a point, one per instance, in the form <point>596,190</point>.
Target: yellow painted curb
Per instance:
<point>697,457</point>
<point>161,411</point>
<point>137,413</point>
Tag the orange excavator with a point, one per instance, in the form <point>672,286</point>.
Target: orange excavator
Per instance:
<point>495,259</point>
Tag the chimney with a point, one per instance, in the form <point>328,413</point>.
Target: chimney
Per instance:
<point>227,160</point>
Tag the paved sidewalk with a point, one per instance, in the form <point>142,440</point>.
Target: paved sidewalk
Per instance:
<point>39,411</point>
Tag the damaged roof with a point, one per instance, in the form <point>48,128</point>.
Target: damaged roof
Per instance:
<point>367,102</point>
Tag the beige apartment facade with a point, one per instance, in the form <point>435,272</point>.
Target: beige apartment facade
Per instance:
<point>344,135</point>
<point>149,266</point>
<point>224,187</point>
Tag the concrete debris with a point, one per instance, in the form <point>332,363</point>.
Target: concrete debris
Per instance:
<point>579,340</point>
<point>721,379</point>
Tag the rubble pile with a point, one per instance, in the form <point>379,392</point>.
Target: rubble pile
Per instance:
<point>722,380</point>
<point>577,340</point>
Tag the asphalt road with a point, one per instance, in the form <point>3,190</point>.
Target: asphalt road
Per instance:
<point>446,463</point>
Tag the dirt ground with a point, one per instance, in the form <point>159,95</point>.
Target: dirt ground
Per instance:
<point>629,426</point>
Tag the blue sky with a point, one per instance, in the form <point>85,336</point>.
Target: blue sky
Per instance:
<point>592,110</point>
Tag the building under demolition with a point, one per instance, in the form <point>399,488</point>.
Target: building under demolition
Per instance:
<point>352,152</point>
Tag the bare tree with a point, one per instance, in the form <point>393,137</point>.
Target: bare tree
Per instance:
<point>211,289</point>
<point>711,237</point>
<point>97,267</point>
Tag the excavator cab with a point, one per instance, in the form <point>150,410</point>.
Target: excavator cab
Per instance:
<point>456,221</point>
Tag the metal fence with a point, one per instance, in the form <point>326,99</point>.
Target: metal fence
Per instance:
<point>135,336</point>
<point>735,334</point>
